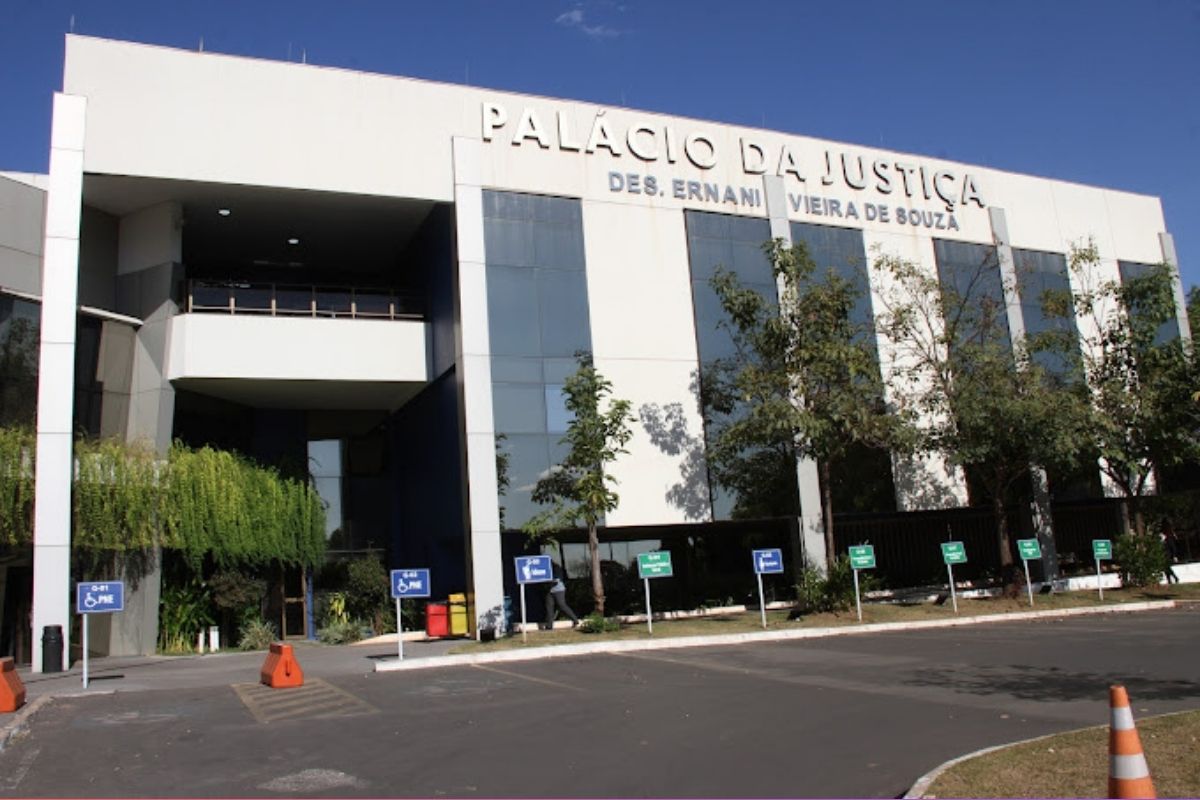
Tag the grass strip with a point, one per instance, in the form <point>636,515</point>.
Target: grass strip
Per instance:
<point>1075,764</point>
<point>875,612</point>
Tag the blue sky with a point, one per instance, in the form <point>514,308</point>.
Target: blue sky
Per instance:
<point>1092,91</point>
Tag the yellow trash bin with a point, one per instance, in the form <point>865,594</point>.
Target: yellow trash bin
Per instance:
<point>458,615</point>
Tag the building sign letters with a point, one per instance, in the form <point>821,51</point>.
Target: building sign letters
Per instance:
<point>898,183</point>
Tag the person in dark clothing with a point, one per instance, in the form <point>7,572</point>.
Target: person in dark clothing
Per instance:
<point>1171,547</point>
<point>557,597</point>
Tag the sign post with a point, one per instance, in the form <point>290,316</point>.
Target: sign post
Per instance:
<point>407,583</point>
<point>653,565</point>
<point>1029,549</point>
<point>97,598</point>
<point>531,569</point>
<point>953,553</point>
<point>766,562</point>
<point>862,556</point>
<point>1101,549</point>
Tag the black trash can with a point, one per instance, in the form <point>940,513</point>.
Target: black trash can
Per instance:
<point>52,648</point>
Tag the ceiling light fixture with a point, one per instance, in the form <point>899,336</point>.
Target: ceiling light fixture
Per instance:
<point>293,240</point>
<point>224,212</point>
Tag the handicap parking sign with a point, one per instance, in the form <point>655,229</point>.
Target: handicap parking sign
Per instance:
<point>410,583</point>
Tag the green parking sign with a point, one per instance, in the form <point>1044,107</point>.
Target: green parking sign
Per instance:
<point>654,565</point>
<point>1029,549</point>
<point>1102,549</point>
<point>954,553</point>
<point>862,556</point>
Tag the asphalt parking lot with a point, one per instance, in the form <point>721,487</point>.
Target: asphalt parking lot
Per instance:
<point>848,716</point>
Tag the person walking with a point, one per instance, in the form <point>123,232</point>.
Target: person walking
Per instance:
<point>556,599</point>
<point>1171,548</point>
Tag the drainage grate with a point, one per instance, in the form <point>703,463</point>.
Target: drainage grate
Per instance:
<point>315,698</point>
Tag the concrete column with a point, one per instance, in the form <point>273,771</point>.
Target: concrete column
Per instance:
<point>473,353</point>
<point>56,376</point>
<point>1039,511</point>
<point>812,520</point>
<point>1167,242</point>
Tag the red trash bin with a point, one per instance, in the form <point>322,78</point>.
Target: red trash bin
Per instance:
<point>437,619</point>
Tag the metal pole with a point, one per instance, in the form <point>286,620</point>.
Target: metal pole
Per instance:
<point>857,601</point>
<point>762,602</point>
<point>1028,585</point>
<point>953,596</point>
<point>399,633</point>
<point>524,624</point>
<point>649,614</point>
<point>85,650</point>
<point>1099,586</point>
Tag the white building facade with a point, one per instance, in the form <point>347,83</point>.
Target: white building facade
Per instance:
<point>292,254</point>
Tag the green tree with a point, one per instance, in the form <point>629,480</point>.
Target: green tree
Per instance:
<point>985,402</point>
<point>578,490</point>
<point>1143,376</point>
<point>805,382</point>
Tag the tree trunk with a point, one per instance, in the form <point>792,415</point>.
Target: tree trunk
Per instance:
<point>597,578</point>
<point>1007,571</point>
<point>1139,519</point>
<point>827,514</point>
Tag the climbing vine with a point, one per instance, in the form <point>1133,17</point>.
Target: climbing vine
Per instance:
<point>203,503</point>
<point>16,485</point>
<point>117,502</point>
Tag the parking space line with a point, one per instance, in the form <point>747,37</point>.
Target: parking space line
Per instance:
<point>528,678</point>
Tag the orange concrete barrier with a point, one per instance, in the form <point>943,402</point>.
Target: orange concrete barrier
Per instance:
<point>1128,772</point>
<point>281,670</point>
<point>12,691</point>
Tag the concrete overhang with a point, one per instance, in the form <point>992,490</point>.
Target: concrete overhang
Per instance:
<point>299,363</point>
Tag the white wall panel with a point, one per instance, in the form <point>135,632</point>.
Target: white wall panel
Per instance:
<point>643,338</point>
<point>925,481</point>
<point>639,283</point>
<point>1136,222</point>
<point>662,480</point>
<point>278,348</point>
<point>149,237</point>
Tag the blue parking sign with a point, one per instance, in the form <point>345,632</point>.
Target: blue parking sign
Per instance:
<point>768,561</point>
<point>534,569</point>
<point>99,598</point>
<point>410,583</point>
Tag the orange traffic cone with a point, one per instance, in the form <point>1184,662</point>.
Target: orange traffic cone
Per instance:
<point>281,670</point>
<point>1128,773</point>
<point>12,691</point>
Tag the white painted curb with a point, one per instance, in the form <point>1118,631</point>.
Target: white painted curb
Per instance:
<point>626,646</point>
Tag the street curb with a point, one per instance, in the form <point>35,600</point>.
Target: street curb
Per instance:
<point>20,718</point>
<point>568,650</point>
<point>923,783</point>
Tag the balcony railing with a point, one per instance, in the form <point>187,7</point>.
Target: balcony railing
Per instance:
<point>300,300</point>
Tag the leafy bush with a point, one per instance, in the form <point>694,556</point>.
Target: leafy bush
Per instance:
<point>182,614</point>
<point>368,592</point>
<point>256,634</point>
<point>597,623</point>
<point>1140,559</point>
<point>816,593</point>
<point>341,632</point>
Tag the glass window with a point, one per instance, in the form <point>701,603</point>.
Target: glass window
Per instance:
<point>558,246</point>
<point>972,272</point>
<point>513,311</point>
<point>518,408</point>
<point>1131,270</point>
<point>516,370</point>
<point>508,242</point>
<point>564,313</point>
<point>558,418</point>
<point>528,460</point>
